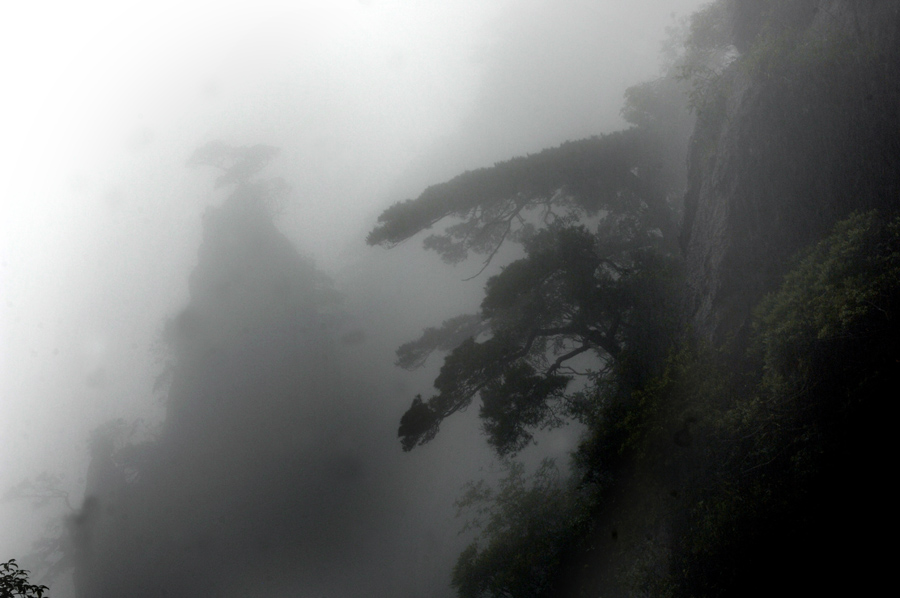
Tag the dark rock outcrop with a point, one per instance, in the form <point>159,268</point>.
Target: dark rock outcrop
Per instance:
<point>798,132</point>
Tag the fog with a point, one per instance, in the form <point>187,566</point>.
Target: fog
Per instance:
<point>369,102</point>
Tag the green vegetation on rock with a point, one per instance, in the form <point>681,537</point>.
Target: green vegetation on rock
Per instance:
<point>733,433</point>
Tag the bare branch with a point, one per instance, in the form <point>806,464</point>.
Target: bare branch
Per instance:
<point>567,356</point>
<point>490,257</point>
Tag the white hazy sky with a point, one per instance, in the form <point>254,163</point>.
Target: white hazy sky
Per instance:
<point>103,102</point>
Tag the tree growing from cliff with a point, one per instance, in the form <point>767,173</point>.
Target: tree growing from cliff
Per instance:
<point>572,308</point>
<point>596,221</point>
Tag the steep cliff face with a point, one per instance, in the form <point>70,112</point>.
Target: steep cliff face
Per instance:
<point>802,129</point>
<point>799,131</point>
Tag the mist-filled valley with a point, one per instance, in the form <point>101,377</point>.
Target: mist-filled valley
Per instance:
<point>511,298</point>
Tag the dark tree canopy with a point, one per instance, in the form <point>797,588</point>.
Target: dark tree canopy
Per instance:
<point>507,201</point>
<point>576,297</point>
<point>596,219</point>
<point>571,300</point>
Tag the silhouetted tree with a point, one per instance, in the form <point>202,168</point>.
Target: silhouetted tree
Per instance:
<point>596,221</point>
<point>14,582</point>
